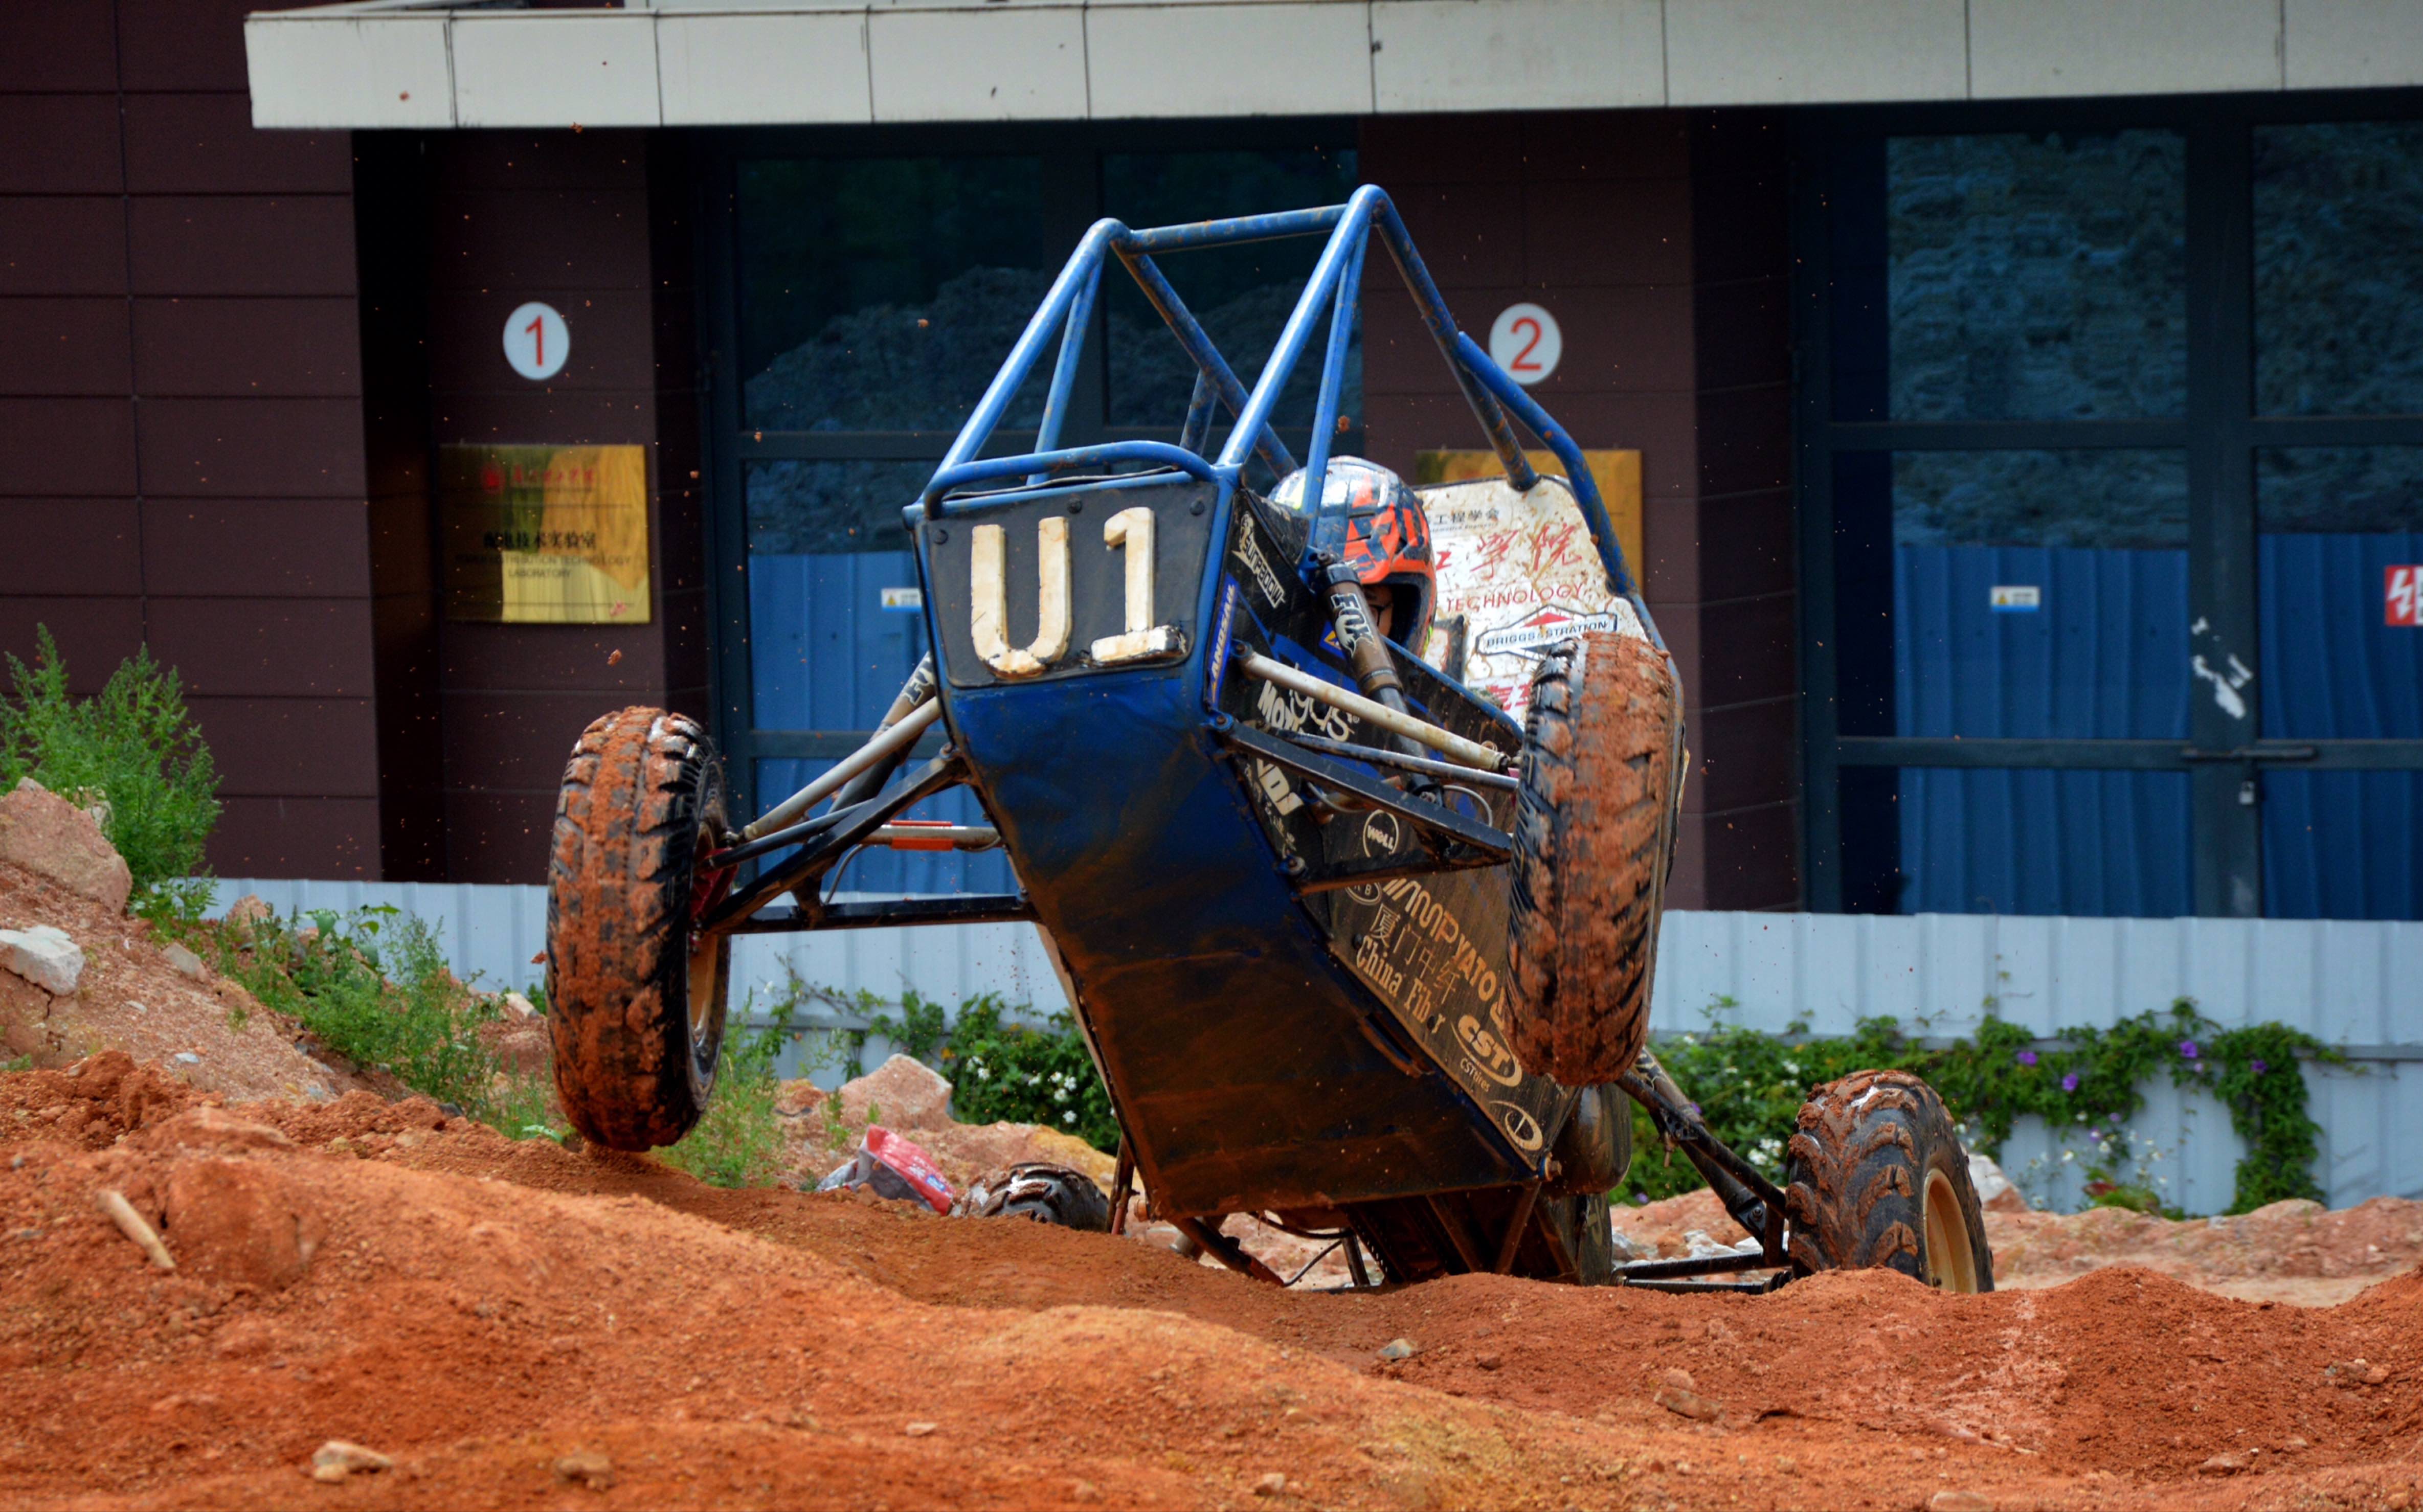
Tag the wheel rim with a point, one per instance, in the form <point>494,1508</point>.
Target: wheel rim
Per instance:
<point>1951,1259</point>
<point>706,964</point>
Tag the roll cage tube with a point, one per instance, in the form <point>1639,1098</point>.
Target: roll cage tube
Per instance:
<point>1067,312</point>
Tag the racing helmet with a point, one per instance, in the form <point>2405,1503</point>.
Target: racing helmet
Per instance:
<point>1388,537</point>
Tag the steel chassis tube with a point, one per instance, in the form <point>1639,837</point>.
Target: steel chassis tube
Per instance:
<point>1377,757</point>
<point>896,739</point>
<point>1750,1199</point>
<point>1454,746</point>
<point>867,783</point>
<point>1348,227</point>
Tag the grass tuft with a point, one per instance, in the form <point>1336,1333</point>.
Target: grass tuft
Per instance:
<point>132,750</point>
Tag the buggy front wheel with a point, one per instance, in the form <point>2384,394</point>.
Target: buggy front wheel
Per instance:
<point>635,995</point>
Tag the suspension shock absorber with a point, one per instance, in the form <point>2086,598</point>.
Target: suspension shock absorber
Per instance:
<point>1367,656</point>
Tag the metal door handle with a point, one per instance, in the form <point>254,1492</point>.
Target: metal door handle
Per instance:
<point>2252,753</point>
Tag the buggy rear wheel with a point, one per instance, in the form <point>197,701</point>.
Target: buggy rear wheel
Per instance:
<point>1594,837</point>
<point>635,999</point>
<point>1875,1177</point>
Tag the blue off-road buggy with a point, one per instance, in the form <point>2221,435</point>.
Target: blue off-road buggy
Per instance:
<point>1353,949</point>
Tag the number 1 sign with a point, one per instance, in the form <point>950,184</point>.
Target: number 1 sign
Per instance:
<point>536,341</point>
<point>1525,341</point>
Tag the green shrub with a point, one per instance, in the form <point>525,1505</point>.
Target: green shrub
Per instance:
<point>739,1141</point>
<point>2085,1085</point>
<point>999,1071</point>
<point>373,987</point>
<point>1013,1073</point>
<point>133,747</point>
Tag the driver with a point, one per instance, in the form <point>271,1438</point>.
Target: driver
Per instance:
<point>1388,542</point>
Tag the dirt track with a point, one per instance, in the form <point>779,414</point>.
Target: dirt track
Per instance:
<point>478,1308</point>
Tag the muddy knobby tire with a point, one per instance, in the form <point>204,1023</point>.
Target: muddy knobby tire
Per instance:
<point>637,1016</point>
<point>1593,836</point>
<point>1875,1175</point>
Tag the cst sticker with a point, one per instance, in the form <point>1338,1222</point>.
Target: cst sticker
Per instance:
<point>1487,1052</point>
<point>2015,598</point>
<point>904,600</point>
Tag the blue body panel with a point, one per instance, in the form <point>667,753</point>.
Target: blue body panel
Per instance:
<point>1251,1061</point>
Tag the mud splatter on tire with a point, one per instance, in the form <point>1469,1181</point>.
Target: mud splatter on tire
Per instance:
<point>1867,1174</point>
<point>1593,837</point>
<point>636,1015</point>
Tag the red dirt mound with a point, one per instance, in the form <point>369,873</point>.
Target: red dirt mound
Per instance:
<point>516,1326</point>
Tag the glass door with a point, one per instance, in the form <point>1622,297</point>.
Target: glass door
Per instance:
<point>2080,634</point>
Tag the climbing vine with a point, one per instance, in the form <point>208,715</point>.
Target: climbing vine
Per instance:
<point>2085,1084</point>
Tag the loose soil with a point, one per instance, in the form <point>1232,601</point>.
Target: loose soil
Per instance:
<point>2291,1252</point>
<point>485,1312</point>
<point>206,1030</point>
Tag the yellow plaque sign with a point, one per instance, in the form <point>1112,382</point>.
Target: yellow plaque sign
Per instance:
<point>1617,474</point>
<point>546,535</point>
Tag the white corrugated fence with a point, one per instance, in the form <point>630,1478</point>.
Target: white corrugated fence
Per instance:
<point>2357,985</point>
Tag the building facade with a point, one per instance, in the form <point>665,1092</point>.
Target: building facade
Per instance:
<point>2028,394</point>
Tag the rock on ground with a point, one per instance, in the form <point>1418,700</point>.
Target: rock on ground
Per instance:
<point>131,998</point>
<point>43,956</point>
<point>44,832</point>
<point>901,1092</point>
<point>1995,1193</point>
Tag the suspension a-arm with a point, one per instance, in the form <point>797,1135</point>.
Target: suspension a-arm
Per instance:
<point>1755,1202</point>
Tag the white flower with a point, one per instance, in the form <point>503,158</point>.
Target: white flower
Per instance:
<point>1791,1068</point>
<point>2067,1156</point>
<point>1069,1117</point>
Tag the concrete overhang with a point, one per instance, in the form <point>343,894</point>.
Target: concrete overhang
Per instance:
<point>429,63</point>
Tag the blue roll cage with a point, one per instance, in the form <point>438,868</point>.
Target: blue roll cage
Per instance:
<point>1336,282</point>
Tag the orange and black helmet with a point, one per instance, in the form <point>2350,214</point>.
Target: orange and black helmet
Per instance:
<point>1387,536</point>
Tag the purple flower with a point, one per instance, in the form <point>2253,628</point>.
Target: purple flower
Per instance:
<point>2027,1058</point>
<point>2094,1133</point>
<point>2070,1082</point>
<point>2260,1067</point>
<point>2188,1050</point>
<point>1641,1198</point>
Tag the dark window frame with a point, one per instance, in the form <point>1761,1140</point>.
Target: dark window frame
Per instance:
<point>2220,434</point>
<point>1071,154</point>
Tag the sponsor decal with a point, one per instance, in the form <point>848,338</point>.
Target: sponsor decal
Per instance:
<point>1520,1127</point>
<point>1249,553</point>
<point>1544,627</point>
<point>1290,712</point>
<point>1220,629</point>
<point>1381,835</point>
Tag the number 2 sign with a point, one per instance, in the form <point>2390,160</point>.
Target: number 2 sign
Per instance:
<point>1526,341</point>
<point>536,341</point>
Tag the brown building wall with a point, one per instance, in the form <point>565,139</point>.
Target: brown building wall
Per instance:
<point>1659,240</point>
<point>595,224</point>
<point>228,354</point>
<point>181,420</point>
